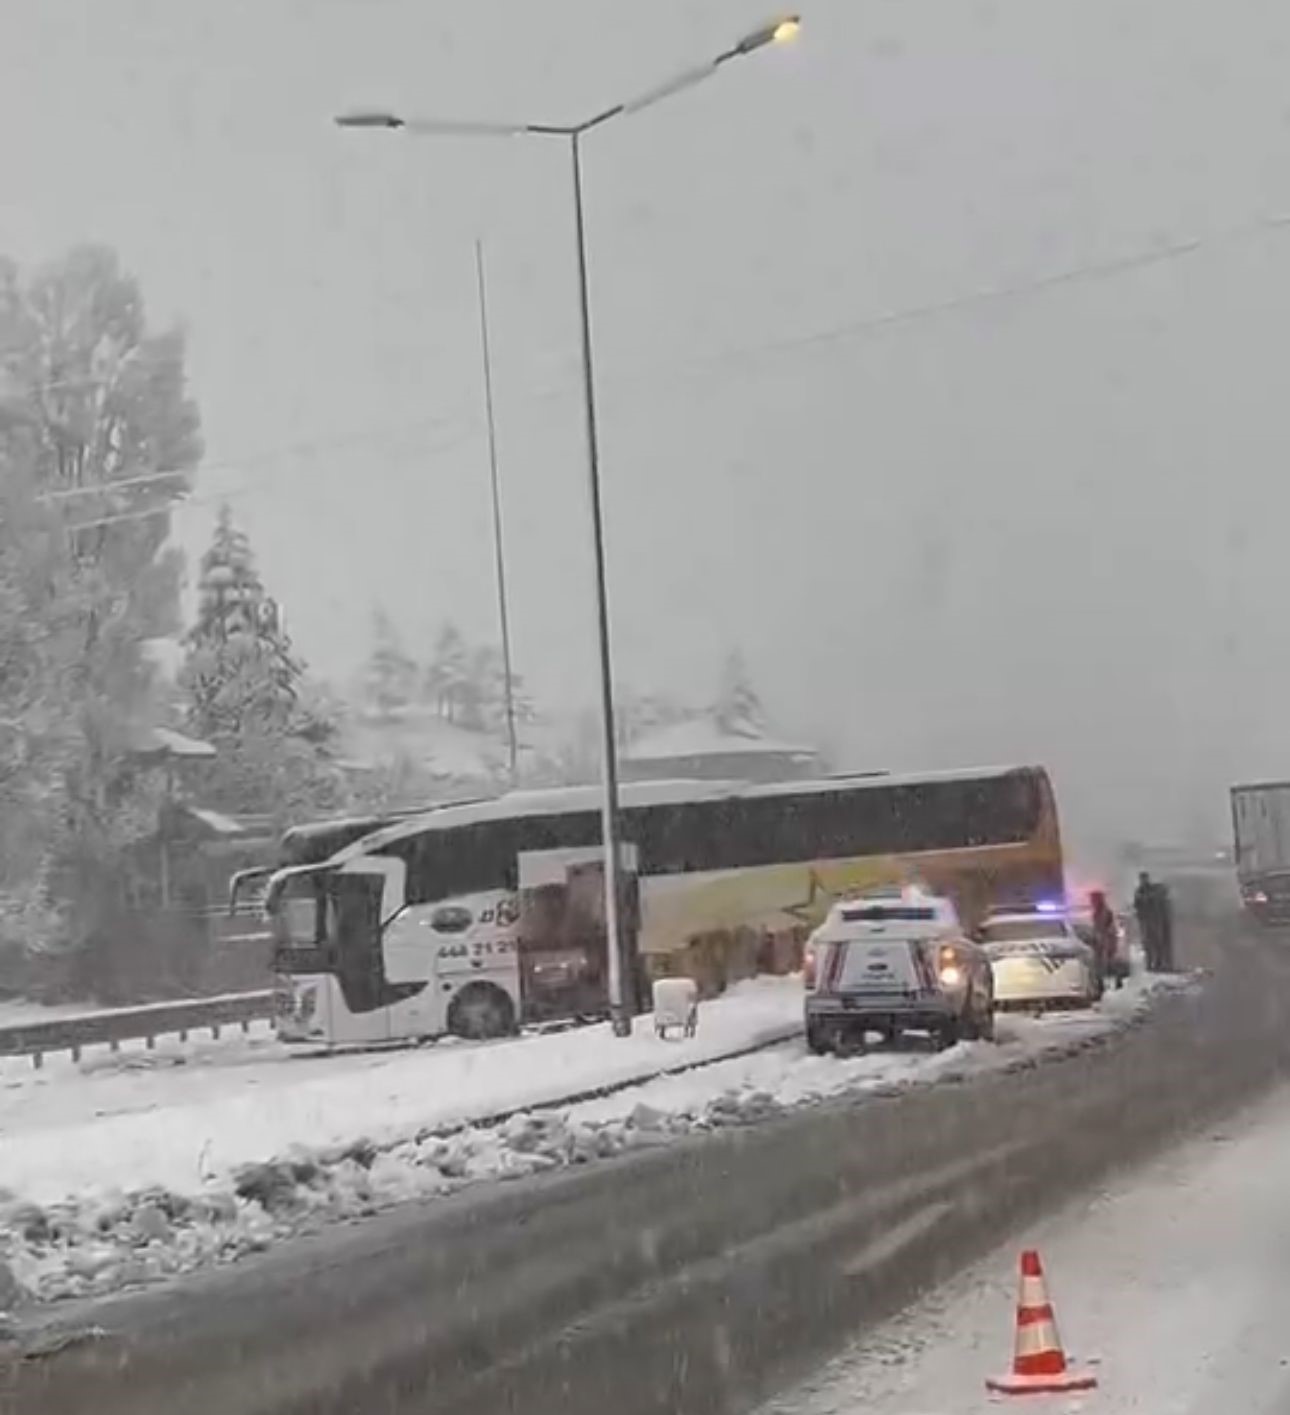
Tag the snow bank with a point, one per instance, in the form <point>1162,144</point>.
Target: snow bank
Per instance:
<point>159,1122</point>
<point>124,1199</point>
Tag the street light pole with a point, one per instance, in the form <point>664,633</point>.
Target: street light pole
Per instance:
<point>777,32</point>
<point>503,613</point>
<point>620,1013</point>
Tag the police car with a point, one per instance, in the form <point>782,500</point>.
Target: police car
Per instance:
<point>893,962</point>
<point>1039,960</point>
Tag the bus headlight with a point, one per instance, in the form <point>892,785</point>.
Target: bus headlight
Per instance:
<point>951,975</point>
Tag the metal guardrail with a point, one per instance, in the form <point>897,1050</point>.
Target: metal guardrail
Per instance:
<point>116,1025</point>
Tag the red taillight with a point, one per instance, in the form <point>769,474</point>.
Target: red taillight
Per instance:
<point>808,967</point>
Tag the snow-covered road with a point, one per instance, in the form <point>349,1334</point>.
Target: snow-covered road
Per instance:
<point>1170,1285</point>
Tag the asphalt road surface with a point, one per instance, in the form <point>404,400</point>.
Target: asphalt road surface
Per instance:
<point>696,1278</point>
<point>1169,1284</point>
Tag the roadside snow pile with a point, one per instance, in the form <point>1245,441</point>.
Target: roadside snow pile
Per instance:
<point>97,1242</point>
<point>1060,1032</point>
<point>80,1247</point>
<point>70,1131</point>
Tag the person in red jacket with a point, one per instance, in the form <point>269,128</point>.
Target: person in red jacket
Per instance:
<point>1106,939</point>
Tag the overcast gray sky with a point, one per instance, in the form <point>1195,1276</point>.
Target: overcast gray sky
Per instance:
<point>1045,528</point>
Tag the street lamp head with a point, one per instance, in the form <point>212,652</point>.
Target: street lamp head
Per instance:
<point>779,31</point>
<point>787,29</point>
<point>369,120</point>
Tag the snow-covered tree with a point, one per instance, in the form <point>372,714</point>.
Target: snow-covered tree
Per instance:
<point>320,713</point>
<point>239,673</point>
<point>389,679</point>
<point>37,722</point>
<point>484,694</point>
<point>97,428</point>
<point>738,709</point>
<point>448,685</point>
<point>248,695</point>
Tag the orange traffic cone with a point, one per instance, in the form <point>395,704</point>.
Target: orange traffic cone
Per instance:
<point>1039,1363</point>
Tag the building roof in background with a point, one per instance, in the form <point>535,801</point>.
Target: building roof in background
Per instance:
<point>703,737</point>
<point>188,820</point>
<point>419,735</point>
<point>217,822</point>
<point>166,742</point>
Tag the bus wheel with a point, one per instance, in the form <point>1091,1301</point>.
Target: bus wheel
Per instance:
<point>481,1012</point>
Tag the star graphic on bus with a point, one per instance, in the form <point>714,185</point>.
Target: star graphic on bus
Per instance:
<point>808,910</point>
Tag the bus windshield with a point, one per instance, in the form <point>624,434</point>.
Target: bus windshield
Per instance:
<point>300,934</point>
<point>323,920</point>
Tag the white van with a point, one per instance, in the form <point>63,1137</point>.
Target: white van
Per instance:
<point>895,963</point>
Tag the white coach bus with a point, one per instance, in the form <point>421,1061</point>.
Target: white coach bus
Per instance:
<point>474,918</point>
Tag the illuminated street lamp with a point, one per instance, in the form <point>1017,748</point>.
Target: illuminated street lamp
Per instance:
<point>780,31</point>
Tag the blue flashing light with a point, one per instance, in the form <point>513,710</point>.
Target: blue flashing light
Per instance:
<point>1048,906</point>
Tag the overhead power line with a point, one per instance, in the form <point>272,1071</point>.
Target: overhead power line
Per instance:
<point>283,452</point>
<point>1113,267</point>
<point>890,321</point>
<point>215,498</point>
<point>1091,272</point>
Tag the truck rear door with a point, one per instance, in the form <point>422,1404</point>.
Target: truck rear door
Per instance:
<point>1261,826</point>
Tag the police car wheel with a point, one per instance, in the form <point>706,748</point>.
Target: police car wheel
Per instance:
<point>817,1040</point>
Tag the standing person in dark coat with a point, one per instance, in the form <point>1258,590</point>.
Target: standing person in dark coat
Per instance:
<point>1147,906</point>
<point>1165,909</point>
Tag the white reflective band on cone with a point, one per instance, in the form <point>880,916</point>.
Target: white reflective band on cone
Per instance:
<point>1033,1340</point>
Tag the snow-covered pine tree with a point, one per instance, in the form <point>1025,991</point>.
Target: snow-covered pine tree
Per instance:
<point>239,673</point>
<point>738,709</point>
<point>248,695</point>
<point>389,678</point>
<point>448,681</point>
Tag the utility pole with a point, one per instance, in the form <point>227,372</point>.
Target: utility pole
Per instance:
<point>499,555</point>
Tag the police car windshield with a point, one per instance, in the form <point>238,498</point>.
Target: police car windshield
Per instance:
<point>1016,930</point>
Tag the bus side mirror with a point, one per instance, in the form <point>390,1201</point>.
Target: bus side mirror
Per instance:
<point>241,880</point>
